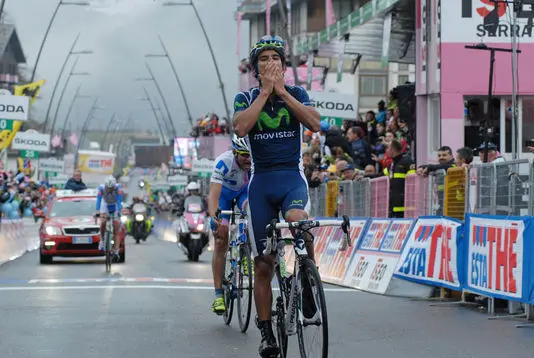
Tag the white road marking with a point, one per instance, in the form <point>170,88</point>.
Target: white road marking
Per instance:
<point>109,287</point>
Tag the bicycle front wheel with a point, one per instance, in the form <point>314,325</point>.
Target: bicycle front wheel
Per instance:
<point>313,331</point>
<point>228,289</point>
<point>108,252</point>
<point>244,287</point>
<point>280,314</point>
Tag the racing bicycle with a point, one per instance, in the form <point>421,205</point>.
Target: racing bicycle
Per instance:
<point>237,281</point>
<point>108,236</point>
<point>292,317</point>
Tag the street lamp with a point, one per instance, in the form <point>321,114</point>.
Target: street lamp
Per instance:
<point>61,2</point>
<point>152,78</point>
<point>166,54</point>
<point>221,84</point>
<point>84,130</point>
<point>71,106</point>
<point>2,8</point>
<point>165,120</point>
<point>72,73</point>
<point>147,98</point>
<point>56,85</point>
<point>107,131</point>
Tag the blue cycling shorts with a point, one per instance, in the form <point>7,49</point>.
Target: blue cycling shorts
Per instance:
<point>268,194</point>
<point>228,196</point>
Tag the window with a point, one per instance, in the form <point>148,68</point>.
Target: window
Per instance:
<point>434,122</point>
<point>403,79</point>
<point>404,67</point>
<point>295,19</point>
<point>373,85</point>
<point>342,8</point>
<point>475,115</point>
<point>261,26</point>
<point>370,101</point>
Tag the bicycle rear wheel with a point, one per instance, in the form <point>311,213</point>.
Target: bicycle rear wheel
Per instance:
<point>315,322</point>
<point>228,288</point>
<point>244,287</point>
<point>108,251</point>
<point>280,314</point>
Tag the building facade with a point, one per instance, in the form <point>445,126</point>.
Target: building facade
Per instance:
<point>373,78</point>
<point>11,56</point>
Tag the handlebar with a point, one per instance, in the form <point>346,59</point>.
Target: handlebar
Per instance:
<point>220,212</point>
<point>306,225</point>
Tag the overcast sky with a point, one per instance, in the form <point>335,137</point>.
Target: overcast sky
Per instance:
<point>121,32</point>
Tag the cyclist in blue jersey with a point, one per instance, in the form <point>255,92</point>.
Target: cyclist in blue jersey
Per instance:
<point>109,199</point>
<point>229,181</point>
<point>272,117</point>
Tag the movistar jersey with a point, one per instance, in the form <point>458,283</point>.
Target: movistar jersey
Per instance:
<point>275,141</point>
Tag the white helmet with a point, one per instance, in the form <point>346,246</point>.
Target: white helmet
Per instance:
<point>110,181</point>
<point>239,144</point>
<point>193,186</point>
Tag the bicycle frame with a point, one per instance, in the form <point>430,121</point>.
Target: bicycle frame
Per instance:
<point>236,240</point>
<point>293,314</point>
<point>293,298</point>
<point>110,230</point>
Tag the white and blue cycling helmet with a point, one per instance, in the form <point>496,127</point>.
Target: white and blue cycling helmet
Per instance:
<point>239,144</point>
<point>110,182</point>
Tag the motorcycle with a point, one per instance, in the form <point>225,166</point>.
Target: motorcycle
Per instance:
<point>141,183</point>
<point>139,227</point>
<point>192,229</point>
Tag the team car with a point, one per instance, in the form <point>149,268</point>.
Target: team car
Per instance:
<point>69,228</point>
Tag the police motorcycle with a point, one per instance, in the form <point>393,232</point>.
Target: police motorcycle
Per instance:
<point>139,221</point>
<point>192,229</point>
<point>140,230</point>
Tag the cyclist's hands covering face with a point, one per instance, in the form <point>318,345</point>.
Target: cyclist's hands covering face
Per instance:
<point>268,78</point>
<point>279,85</point>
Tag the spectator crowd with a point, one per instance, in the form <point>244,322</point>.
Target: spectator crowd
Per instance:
<point>20,196</point>
<point>381,144</point>
<point>210,125</point>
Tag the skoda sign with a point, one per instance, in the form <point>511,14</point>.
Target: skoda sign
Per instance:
<point>31,140</point>
<point>14,107</point>
<point>331,104</point>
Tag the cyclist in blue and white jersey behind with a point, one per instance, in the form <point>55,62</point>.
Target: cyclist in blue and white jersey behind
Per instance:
<point>272,117</point>
<point>109,199</point>
<point>229,181</point>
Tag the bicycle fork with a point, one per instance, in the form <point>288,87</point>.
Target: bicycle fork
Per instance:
<point>295,293</point>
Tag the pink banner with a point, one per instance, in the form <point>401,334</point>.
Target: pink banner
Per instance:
<point>330,13</point>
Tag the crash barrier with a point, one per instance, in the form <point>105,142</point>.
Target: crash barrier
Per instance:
<point>17,237</point>
<point>488,255</point>
<point>369,264</point>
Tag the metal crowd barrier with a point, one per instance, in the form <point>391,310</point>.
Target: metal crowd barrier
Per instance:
<point>494,189</point>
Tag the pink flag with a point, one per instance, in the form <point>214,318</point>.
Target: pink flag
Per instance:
<point>268,17</point>
<point>74,139</point>
<point>330,13</point>
<point>56,141</point>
